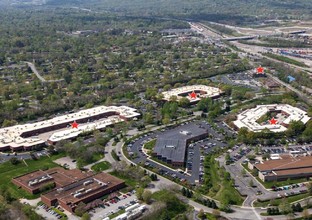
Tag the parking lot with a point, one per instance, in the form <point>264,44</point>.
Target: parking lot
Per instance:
<point>289,149</point>
<point>257,191</point>
<point>194,154</point>
<point>244,79</point>
<point>22,156</point>
<point>49,213</point>
<point>113,206</point>
<point>67,162</point>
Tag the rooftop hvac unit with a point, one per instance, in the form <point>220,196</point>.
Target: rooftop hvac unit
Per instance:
<point>80,190</point>
<point>77,195</point>
<point>87,182</point>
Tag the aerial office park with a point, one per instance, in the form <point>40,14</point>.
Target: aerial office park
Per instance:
<point>181,148</point>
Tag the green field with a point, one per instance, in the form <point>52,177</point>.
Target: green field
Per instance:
<point>128,181</point>
<point>9,171</point>
<point>117,213</point>
<point>104,165</point>
<point>221,187</point>
<point>173,206</point>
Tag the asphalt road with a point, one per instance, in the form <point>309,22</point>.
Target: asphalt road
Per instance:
<point>35,71</point>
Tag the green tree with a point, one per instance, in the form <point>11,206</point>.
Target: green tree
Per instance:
<point>227,157</point>
<point>146,196</point>
<point>284,206</point>
<point>183,191</point>
<point>184,102</point>
<point>86,216</point>
<point>201,214</point>
<point>295,128</point>
<point>80,209</point>
<point>243,172</point>
<point>139,193</point>
<point>14,161</point>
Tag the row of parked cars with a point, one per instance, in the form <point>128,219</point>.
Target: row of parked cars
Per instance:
<point>274,150</point>
<point>293,186</point>
<point>51,211</point>
<point>116,199</point>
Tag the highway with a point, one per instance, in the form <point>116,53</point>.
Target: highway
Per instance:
<point>257,51</point>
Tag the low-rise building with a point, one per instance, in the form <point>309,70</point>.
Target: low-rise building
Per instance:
<point>71,186</point>
<point>193,93</point>
<point>287,167</point>
<point>27,136</point>
<point>249,117</point>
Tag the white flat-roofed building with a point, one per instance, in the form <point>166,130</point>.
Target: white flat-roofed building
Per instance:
<point>201,91</point>
<point>24,137</point>
<point>249,117</point>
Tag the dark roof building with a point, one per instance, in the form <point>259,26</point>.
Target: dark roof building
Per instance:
<point>85,190</point>
<point>71,186</point>
<point>171,146</point>
<point>33,182</point>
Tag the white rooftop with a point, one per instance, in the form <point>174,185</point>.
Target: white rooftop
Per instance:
<point>205,91</point>
<point>249,117</point>
<point>11,136</point>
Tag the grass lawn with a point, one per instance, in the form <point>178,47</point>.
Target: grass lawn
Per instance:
<point>150,145</point>
<point>173,206</point>
<point>128,181</point>
<point>210,216</point>
<point>104,165</point>
<point>115,156</point>
<point>9,171</point>
<point>276,202</point>
<point>221,187</point>
<point>269,185</point>
<point>117,213</point>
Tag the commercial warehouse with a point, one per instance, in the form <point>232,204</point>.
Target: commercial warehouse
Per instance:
<point>249,117</point>
<point>287,167</point>
<point>171,146</point>
<point>193,93</point>
<point>27,136</point>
